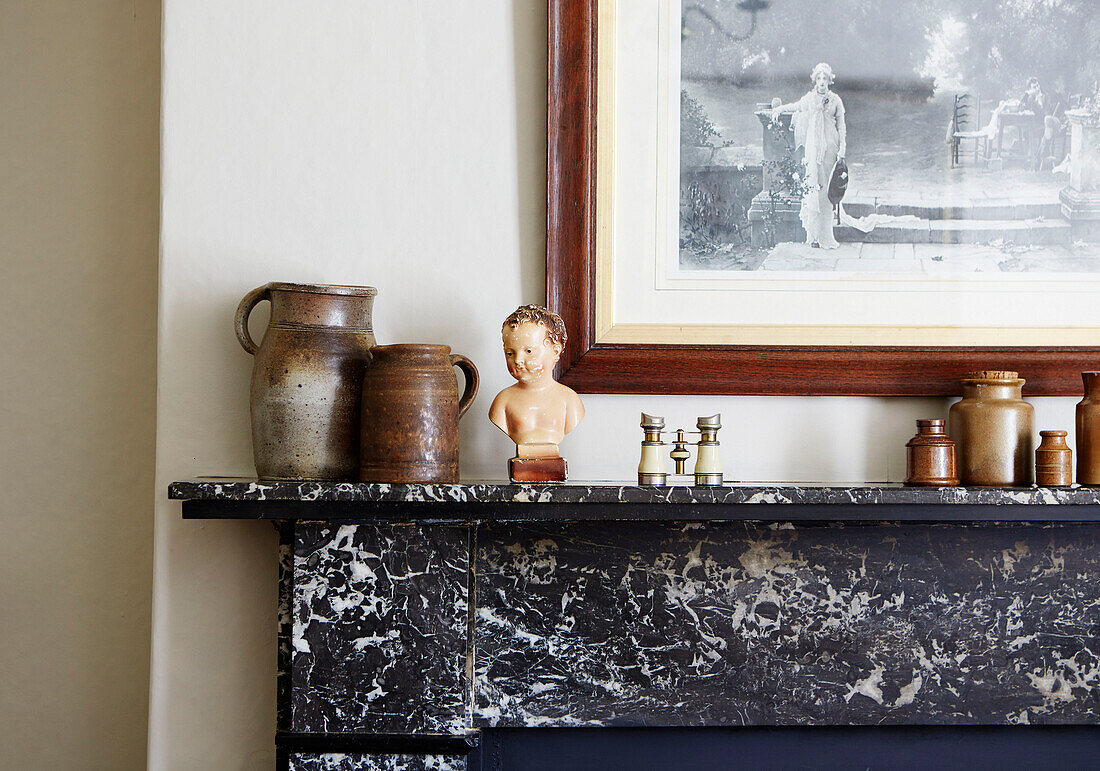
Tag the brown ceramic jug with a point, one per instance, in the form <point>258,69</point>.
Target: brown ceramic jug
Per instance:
<point>410,413</point>
<point>1088,431</point>
<point>993,430</point>
<point>307,378</point>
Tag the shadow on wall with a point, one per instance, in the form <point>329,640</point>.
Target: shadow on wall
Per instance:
<point>530,90</point>
<point>79,234</point>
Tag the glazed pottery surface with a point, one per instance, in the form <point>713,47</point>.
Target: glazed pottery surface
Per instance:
<point>410,413</point>
<point>1088,431</point>
<point>930,456</point>
<point>307,378</point>
<point>1053,460</point>
<point>993,430</point>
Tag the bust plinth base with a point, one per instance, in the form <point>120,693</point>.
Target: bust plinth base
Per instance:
<point>537,469</point>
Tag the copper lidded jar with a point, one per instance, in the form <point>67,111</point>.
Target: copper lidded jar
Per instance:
<point>930,456</point>
<point>993,430</point>
<point>307,375</point>
<point>1053,460</point>
<point>1088,431</point>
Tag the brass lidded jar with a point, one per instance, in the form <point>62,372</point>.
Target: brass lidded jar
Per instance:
<point>993,429</point>
<point>1053,460</point>
<point>1088,431</point>
<point>930,456</point>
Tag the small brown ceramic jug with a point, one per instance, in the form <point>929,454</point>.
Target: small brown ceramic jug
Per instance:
<point>1088,431</point>
<point>411,407</point>
<point>306,378</point>
<point>993,430</point>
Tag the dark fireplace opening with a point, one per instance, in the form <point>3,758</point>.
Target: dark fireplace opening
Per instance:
<point>832,747</point>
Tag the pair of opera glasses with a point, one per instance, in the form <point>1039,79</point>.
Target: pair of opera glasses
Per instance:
<point>708,464</point>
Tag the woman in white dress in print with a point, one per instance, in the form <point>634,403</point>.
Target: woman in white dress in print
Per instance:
<point>818,124</point>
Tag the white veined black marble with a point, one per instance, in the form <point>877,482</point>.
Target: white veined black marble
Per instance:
<point>285,633</point>
<point>379,628</point>
<point>347,762</point>
<point>745,493</point>
<point>609,624</point>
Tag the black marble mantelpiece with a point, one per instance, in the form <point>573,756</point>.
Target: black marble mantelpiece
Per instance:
<point>416,620</point>
<point>688,624</point>
<point>496,501</point>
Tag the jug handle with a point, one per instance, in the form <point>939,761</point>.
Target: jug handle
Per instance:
<point>468,368</point>
<point>250,301</point>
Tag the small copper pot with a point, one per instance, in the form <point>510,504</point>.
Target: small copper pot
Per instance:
<point>1053,460</point>
<point>411,407</point>
<point>930,456</point>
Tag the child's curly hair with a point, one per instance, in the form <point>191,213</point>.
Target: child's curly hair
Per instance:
<point>536,314</point>
<point>823,68</point>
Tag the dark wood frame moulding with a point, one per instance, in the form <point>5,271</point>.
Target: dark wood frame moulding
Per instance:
<point>592,367</point>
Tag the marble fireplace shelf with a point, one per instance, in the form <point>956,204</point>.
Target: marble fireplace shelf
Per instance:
<point>419,626</point>
<point>232,498</point>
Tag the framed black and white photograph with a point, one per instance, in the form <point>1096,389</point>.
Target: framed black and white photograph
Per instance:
<point>859,196</point>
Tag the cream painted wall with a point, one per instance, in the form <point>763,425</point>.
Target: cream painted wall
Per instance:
<point>402,145</point>
<point>79,132</point>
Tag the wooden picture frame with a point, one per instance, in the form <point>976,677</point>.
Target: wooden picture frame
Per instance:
<point>593,367</point>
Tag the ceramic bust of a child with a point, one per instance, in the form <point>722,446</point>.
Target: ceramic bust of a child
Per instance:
<point>537,412</point>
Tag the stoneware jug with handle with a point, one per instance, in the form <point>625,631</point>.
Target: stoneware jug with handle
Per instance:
<point>307,377</point>
<point>410,413</point>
